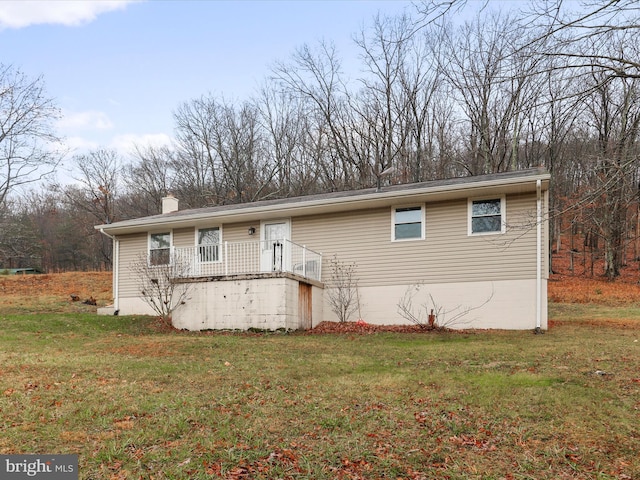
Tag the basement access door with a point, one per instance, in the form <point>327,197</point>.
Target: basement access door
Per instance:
<point>305,305</point>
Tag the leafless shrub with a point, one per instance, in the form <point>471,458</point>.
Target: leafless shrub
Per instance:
<point>157,284</point>
<point>430,315</point>
<point>343,289</point>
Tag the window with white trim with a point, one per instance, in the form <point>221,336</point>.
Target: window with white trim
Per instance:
<point>486,216</point>
<point>208,244</point>
<point>408,223</point>
<point>160,248</point>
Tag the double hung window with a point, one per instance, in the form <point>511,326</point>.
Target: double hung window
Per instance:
<point>160,248</point>
<point>408,223</point>
<point>486,216</point>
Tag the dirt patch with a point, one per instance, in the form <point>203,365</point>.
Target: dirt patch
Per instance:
<point>78,286</point>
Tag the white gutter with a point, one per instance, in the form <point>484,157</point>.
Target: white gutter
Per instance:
<point>538,255</point>
<point>115,262</point>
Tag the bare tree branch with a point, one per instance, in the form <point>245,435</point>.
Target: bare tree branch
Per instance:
<point>28,149</point>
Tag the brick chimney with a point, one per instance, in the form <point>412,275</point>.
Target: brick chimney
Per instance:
<point>169,204</point>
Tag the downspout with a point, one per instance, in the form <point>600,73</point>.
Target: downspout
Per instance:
<point>116,276</point>
<point>538,255</point>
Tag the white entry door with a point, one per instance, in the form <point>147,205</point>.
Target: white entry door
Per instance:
<point>274,246</point>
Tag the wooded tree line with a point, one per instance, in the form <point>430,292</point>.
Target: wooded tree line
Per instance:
<point>550,85</point>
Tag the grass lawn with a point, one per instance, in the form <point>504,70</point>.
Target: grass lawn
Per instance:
<point>135,402</point>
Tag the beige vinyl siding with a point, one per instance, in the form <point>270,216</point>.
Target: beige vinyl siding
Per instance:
<point>237,232</point>
<point>447,254</point>
<point>131,247</point>
<point>184,237</point>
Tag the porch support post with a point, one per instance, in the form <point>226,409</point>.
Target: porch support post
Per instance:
<point>226,258</point>
<point>304,261</point>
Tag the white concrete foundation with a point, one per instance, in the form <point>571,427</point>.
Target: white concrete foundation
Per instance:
<point>272,302</point>
<point>507,305</point>
<point>266,302</point>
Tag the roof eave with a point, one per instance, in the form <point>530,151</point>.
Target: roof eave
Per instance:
<point>323,205</point>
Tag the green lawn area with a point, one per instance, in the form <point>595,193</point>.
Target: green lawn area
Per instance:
<point>134,402</point>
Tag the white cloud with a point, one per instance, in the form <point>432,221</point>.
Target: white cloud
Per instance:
<point>23,13</point>
<point>88,120</point>
<point>126,144</point>
<point>76,145</point>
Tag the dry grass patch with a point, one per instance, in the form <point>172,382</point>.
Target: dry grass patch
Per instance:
<point>566,289</point>
<point>52,292</point>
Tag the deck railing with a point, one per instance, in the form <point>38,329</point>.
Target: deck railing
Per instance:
<point>232,258</point>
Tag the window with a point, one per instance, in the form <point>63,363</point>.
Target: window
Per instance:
<point>160,248</point>
<point>486,216</point>
<point>209,244</point>
<point>408,223</point>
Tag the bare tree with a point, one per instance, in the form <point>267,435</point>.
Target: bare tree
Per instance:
<point>149,178</point>
<point>92,198</point>
<point>223,152</point>
<point>28,148</point>
<point>199,176</point>
<point>43,229</point>
<point>615,113</point>
<point>437,12</point>
<point>427,153</point>
<point>315,76</point>
<point>492,77</point>
<point>98,183</point>
<point>580,34</point>
<point>595,45</point>
<point>19,242</point>
<point>289,139</point>
<point>382,109</point>
<point>240,148</point>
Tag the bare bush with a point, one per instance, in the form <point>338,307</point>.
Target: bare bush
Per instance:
<point>158,285</point>
<point>431,315</point>
<point>343,293</point>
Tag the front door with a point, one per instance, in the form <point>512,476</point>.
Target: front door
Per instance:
<point>274,246</point>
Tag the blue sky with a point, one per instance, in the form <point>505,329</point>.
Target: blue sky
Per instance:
<point>118,70</point>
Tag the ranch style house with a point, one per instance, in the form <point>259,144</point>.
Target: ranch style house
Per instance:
<point>474,249</point>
